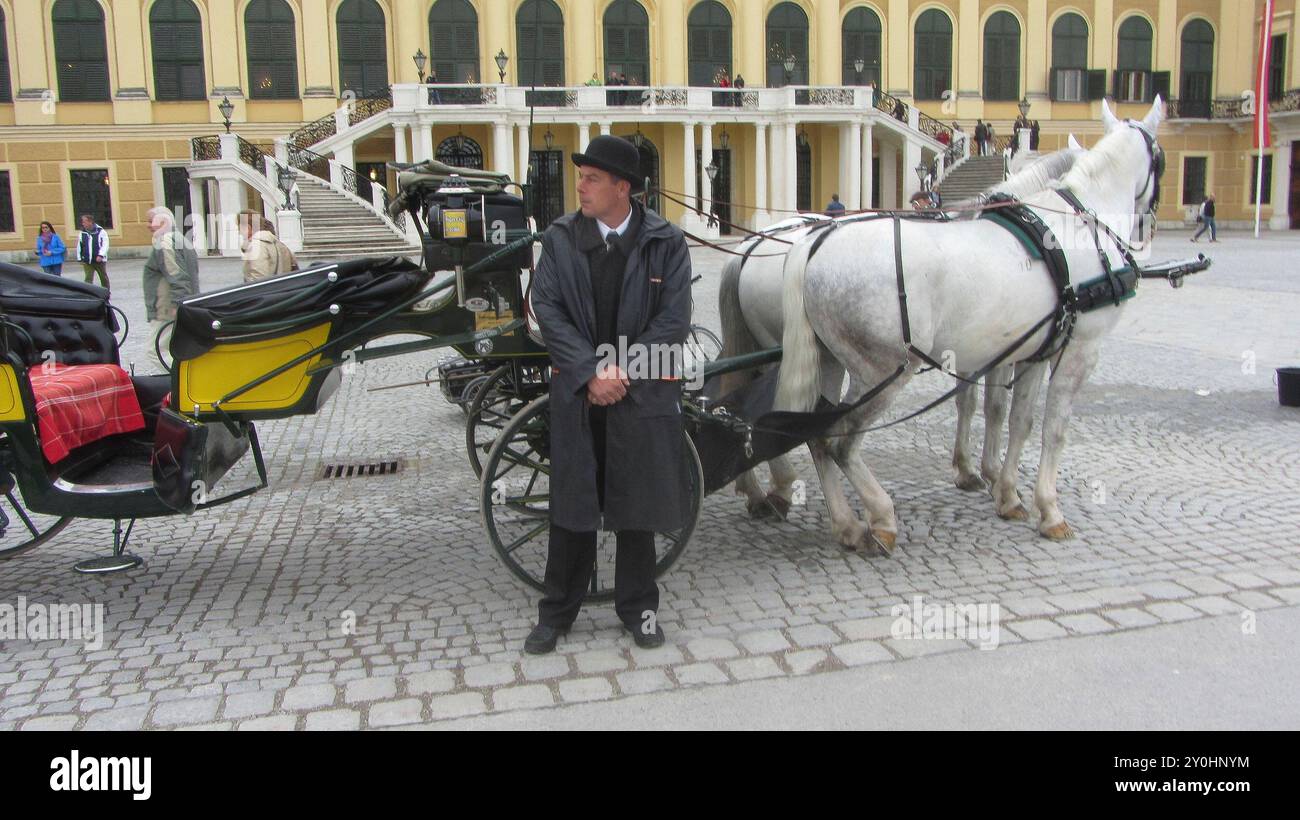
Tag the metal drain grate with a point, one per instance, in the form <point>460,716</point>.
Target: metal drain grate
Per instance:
<point>363,470</point>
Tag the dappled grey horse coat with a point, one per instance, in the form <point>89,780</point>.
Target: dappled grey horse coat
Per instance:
<point>645,470</point>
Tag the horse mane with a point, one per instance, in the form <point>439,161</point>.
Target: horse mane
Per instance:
<point>1102,159</point>
<point>1039,174</point>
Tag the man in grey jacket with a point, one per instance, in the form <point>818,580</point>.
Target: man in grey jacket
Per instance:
<point>171,273</point>
<point>613,275</point>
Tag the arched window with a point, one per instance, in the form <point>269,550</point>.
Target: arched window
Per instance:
<point>787,35</point>
<point>6,91</point>
<point>933,52</point>
<point>272,46</point>
<point>1070,59</point>
<point>363,48</point>
<point>453,41</point>
<point>860,40</point>
<point>1133,62</point>
<point>539,31</point>
<point>80,51</point>
<point>176,39</point>
<point>461,152</point>
<point>1002,57</point>
<point>708,42</point>
<point>1197,81</point>
<point>627,42</point>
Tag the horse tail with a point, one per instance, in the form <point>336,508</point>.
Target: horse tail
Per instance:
<point>737,339</point>
<point>799,382</point>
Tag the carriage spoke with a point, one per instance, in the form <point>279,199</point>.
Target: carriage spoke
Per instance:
<point>528,536</point>
<point>23,515</point>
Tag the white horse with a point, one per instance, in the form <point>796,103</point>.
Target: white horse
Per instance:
<point>750,305</point>
<point>842,309</point>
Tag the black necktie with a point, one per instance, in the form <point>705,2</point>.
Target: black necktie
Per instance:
<point>611,241</point>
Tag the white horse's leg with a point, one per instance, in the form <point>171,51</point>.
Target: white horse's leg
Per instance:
<point>780,492</point>
<point>847,452</point>
<point>748,486</point>
<point>1006,498</point>
<point>962,462</point>
<point>997,400</point>
<point>1070,374</point>
<point>845,526</point>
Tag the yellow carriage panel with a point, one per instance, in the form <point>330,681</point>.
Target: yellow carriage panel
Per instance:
<point>11,400</point>
<point>228,366</point>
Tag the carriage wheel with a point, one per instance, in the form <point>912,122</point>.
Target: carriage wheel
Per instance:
<point>706,342</point>
<point>494,405</point>
<point>21,529</point>
<point>514,495</point>
<point>471,392</point>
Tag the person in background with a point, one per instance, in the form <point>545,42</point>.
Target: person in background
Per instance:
<point>981,138</point>
<point>50,250</point>
<point>835,207</point>
<point>171,273</point>
<point>1206,218</point>
<point>92,250</point>
<point>265,256</point>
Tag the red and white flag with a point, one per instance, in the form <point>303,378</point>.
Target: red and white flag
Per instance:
<point>1263,139</point>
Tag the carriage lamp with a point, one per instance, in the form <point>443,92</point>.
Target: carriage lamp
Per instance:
<point>712,170</point>
<point>420,60</point>
<point>502,59</point>
<point>453,221</point>
<point>1023,105</point>
<point>226,107</point>
<point>549,139</point>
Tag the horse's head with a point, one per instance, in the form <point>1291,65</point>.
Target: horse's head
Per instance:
<point>1140,136</point>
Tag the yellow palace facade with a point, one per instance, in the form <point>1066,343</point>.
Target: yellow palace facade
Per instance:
<point>115,106</point>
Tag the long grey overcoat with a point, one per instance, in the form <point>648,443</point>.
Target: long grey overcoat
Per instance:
<point>645,468</point>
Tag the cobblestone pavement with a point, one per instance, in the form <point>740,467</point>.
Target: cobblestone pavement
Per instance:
<point>1182,480</point>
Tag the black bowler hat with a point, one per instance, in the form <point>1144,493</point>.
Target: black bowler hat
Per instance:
<point>615,155</point>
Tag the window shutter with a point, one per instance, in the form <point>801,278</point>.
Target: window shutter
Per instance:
<point>1160,84</point>
<point>1096,84</point>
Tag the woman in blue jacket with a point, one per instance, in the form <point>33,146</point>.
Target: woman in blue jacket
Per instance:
<point>50,250</point>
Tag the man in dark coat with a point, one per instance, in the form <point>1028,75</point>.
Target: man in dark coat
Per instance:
<point>613,276</point>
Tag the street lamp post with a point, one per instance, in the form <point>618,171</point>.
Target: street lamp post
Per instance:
<point>286,184</point>
<point>858,65</point>
<point>922,172</point>
<point>1023,105</point>
<point>226,107</point>
<point>502,60</point>
<point>420,61</point>
<point>788,65</point>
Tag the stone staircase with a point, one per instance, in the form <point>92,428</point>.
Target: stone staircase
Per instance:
<point>972,177</point>
<point>335,227</point>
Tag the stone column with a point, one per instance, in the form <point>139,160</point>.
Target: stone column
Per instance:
<point>760,217</point>
<point>400,151</point>
<point>690,219</point>
<point>855,167</point>
<point>1282,170</point>
<point>584,136</point>
<point>233,199</point>
<point>198,218</point>
<point>827,46</point>
<point>604,128</point>
<point>522,138</point>
<point>911,158</point>
<point>776,164</point>
<point>868,151</point>
<point>424,142</point>
<point>790,176</point>
<point>502,149</point>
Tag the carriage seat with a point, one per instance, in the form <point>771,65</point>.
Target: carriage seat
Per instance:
<point>51,314</point>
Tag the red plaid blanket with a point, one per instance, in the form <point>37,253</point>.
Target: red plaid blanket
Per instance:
<point>76,405</point>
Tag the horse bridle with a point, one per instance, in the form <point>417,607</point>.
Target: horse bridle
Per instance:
<point>1156,171</point>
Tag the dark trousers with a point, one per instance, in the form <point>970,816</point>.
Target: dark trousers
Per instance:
<point>93,268</point>
<point>571,559</point>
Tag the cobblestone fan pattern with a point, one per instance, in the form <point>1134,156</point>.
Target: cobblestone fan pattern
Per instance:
<point>1181,480</point>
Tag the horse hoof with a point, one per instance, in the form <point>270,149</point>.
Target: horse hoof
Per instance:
<point>1060,532</point>
<point>970,483</point>
<point>1017,513</point>
<point>758,508</point>
<point>778,506</point>
<point>884,541</point>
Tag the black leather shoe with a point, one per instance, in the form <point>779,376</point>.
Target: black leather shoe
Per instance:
<point>653,640</point>
<point>541,640</point>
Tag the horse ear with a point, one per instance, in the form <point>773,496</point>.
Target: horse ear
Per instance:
<point>1155,116</point>
<point>1073,143</point>
<point>1108,118</point>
